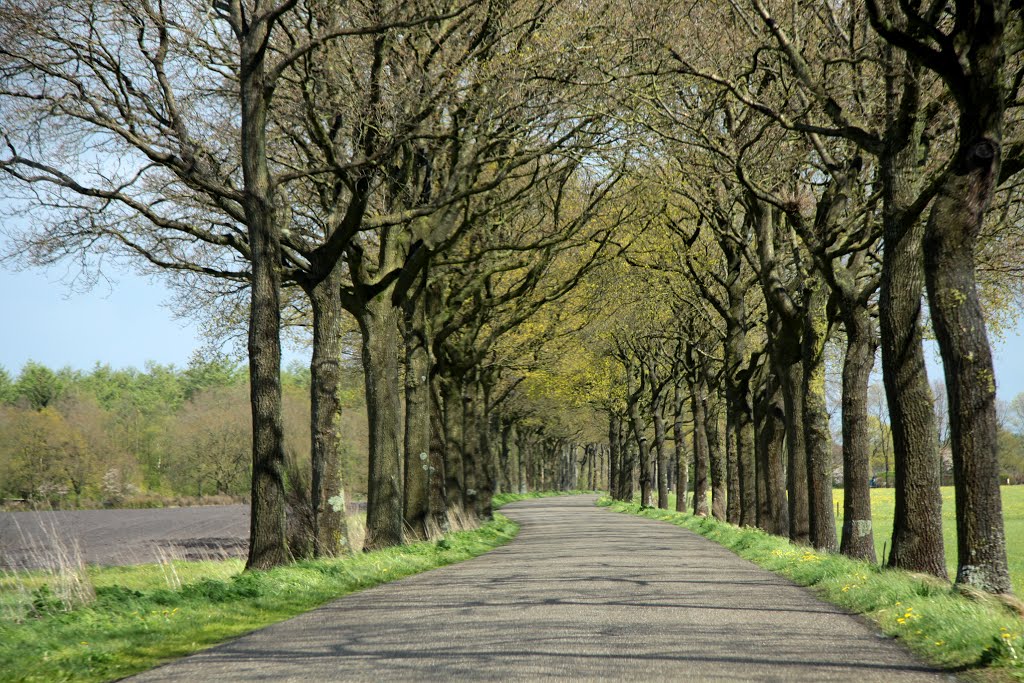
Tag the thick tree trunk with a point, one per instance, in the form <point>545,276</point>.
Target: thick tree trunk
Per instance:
<point>267,543</point>
<point>861,343</point>
<point>682,462</point>
<point>917,543</point>
<point>330,532</point>
<point>701,457</point>
<point>379,322</point>
<point>953,228</point>
<point>416,491</point>
<point>817,435</point>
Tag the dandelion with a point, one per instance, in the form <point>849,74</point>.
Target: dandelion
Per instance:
<point>939,643</point>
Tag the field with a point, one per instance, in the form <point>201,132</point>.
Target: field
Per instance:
<point>883,502</point>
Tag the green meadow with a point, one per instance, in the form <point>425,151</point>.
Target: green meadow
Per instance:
<point>883,502</point>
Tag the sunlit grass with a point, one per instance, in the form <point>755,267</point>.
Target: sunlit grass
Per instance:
<point>883,503</point>
<point>138,620</point>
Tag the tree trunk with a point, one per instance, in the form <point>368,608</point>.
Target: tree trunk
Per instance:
<point>267,543</point>
<point>917,543</point>
<point>379,322</point>
<point>659,436</point>
<point>772,434</point>
<point>953,228</point>
<point>416,491</point>
<point>732,476</point>
<point>716,459</point>
<point>330,532</point>
<point>470,446</point>
<point>615,456</point>
<point>682,463</point>
<point>701,456</point>
<point>522,450</point>
<point>861,343</point>
<point>796,452</point>
<point>505,459</point>
<point>817,435</point>
<point>451,393</point>
<point>438,504</point>
<point>636,425</point>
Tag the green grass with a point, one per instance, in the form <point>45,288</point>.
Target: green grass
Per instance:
<point>883,502</point>
<point>137,621</point>
<point>980,636</point>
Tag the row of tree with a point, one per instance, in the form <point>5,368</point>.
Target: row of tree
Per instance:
<point>706,220</point>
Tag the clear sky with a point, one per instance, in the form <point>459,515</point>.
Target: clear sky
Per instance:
<point>123,323</point>
<point>126,322</point>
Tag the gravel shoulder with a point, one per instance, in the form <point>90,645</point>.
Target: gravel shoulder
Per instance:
<point>581,594</point>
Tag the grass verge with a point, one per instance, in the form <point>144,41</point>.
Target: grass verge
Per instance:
<point>977,635</point>
<point>128,629</point>
<point>506,498</point>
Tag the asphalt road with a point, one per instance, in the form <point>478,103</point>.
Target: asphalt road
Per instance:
<point>581,594</point>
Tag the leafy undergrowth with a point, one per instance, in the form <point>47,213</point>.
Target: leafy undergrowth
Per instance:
<point>976,635</point>
<point>127,630</point>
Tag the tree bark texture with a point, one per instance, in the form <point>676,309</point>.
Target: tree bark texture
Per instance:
<point>267,543</point>
<point>817,435</point>
<point>917,543</point>
<point>701,457</point>
<point>379,321</point>
<point>682,462</point>
<point>330,532</point>
<point>952,230</point>
<point>716,459</point>
<point>416,489</point>
<point>861,343</point>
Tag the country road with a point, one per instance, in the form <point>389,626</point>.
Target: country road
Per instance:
<point>581,594</point>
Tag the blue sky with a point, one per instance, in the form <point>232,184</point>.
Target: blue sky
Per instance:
<point>123,323</point>
<point>126,322</point>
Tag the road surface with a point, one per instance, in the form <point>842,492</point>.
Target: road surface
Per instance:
<point>581,594</point>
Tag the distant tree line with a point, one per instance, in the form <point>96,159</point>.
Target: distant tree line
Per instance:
<point>117,437</point>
